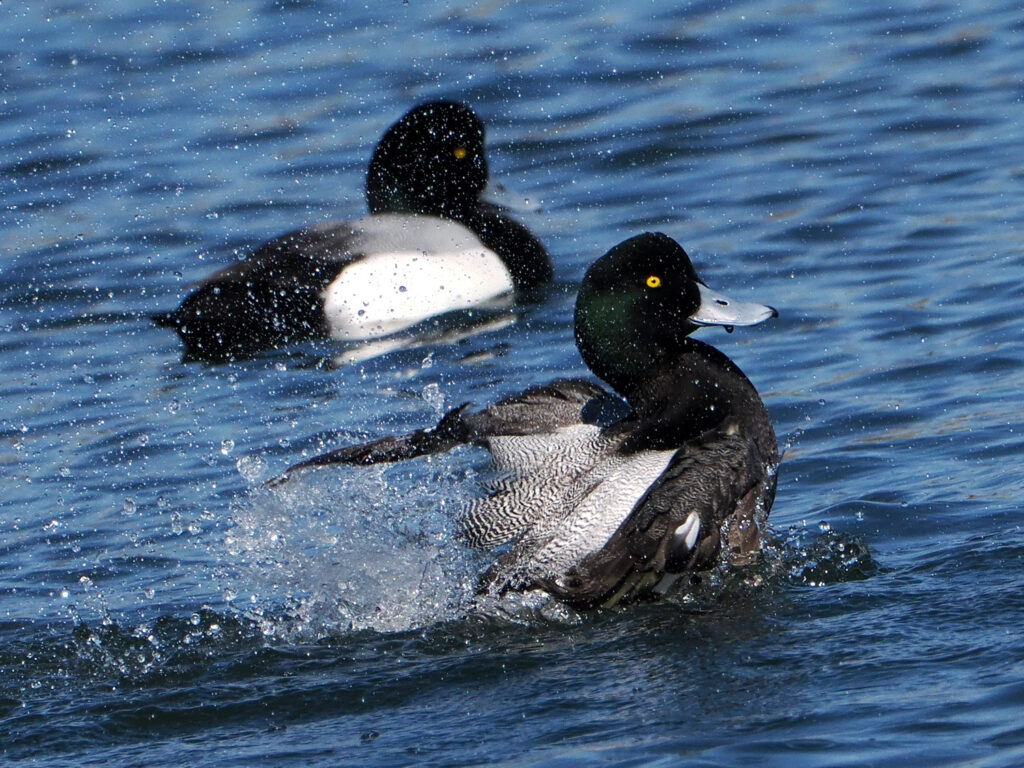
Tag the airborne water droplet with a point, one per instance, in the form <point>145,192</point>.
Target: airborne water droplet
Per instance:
<point>250,467</point>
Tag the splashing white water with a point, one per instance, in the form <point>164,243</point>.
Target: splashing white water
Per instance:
<point>348,549</point>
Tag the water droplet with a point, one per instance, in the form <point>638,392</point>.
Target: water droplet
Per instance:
<point>227,446</point>
<point>250,467</point>
<point>433,395</point>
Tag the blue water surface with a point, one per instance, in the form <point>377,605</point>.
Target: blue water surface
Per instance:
<point>856,165</point>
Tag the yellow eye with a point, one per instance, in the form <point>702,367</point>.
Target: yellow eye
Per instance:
<point>460,153</point>
<point>654,281</point>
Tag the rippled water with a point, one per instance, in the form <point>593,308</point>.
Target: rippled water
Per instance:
<point>856,165</point>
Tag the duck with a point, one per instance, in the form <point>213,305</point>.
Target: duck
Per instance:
<point>599,496</point>
<point>431,244</point>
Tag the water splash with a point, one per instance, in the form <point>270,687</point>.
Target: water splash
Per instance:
<point>362,548</point>
<point>376,548</point>
<point>831,557</point>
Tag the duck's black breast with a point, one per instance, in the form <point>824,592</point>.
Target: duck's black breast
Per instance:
<point>696,391</point>
<point>525,257</point>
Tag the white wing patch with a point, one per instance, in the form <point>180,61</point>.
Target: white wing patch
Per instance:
<point>383,293</point>
<point>688,532</point>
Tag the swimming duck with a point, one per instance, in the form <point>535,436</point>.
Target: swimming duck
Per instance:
<point>601,496</point>
<point>430,245</point>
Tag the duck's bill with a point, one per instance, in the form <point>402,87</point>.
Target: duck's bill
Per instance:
<point>718,309</point>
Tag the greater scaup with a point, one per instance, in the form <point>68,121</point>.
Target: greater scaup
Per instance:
<point>430,245</point>
<point>600,498</point>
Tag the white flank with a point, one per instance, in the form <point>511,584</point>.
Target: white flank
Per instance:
<point>383,293</point>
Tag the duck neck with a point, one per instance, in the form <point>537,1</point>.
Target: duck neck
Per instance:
<point>526,258</point>
<point>689,393</point>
